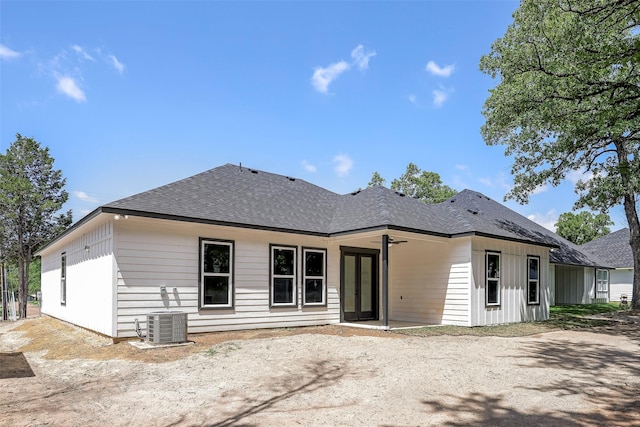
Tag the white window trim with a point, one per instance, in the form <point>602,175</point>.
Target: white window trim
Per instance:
<point>598,281</point>
<point>305,277</point>
<point>493,279</point>
<point>529,280</point>
<point>273,276</point>
<point>230,244</point>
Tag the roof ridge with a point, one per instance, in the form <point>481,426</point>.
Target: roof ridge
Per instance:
<point>383,204</point>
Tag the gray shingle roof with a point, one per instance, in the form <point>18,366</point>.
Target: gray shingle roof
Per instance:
<point>379,207</point>
<point>233,195</point>
<point>244,197</point>
<point>486,216</point>
<point>613,248</point>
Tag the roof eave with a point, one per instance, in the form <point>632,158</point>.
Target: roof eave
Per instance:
<point>71,229</point>
<point>180,218</point>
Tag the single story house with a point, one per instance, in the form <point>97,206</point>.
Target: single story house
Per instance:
<point>615,249</point>
<point>238,248</point>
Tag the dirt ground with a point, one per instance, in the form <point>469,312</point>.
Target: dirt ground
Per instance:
<point>54,374</point>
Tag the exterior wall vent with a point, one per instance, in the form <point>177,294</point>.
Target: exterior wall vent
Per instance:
<point>166,327</point>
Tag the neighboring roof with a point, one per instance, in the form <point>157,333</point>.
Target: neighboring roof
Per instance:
<point>488,217</point>
<point>613,248</point>
<point>242,197</point>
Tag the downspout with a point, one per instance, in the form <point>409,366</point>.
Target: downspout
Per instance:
<point>385,281</point>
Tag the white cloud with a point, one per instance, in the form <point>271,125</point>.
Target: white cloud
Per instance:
<point>116,64</point>
<point>361,58</point>
<point>322,77</point>
<point>80,51</point>
<point>84,197</point>
<point>540,189</point>
<point>308,166</point>
<point>486,181</point>
<point>547,220</point>
<point>7,53</point>
<point>439,97</point>
<point>499,181</point>
<point>463,168</point>
<point>413,99</point>
<point>343,165</point>
<point>67,85</point>
<point>70,66</point>
<point>579,175</point>
<point>436,70</point>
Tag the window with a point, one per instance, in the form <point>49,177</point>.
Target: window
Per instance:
<point>602,283</point>
<point>314,277</point>
<point>533,286</point>
<point>216,274</point>
<point>493,278</point>
<point>63,278</point>
<point>283,276</point>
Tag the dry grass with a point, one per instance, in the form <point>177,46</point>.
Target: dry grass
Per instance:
<point>63,341</point>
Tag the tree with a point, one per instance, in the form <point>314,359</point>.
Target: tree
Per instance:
<point>583,227</point>
<point>376,180</point>
<point>568,100</point>
<point>31,195</point>
<point>423,185</point>
<point>34,275</point>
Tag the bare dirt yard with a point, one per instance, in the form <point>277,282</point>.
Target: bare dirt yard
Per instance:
<point>54,374</point>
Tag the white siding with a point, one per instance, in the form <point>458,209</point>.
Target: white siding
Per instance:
<point>89,296</point>
<point>621,282</point>
<point>429,282</point>
<point>574,284</point>
<point>513,283</point>
<point>153,253</point>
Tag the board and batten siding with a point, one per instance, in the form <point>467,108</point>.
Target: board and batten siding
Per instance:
<point>89,280</point>
<point>429,281</point>
<point>156,254</point>
<point>574,284</point>
<point>513,283</point>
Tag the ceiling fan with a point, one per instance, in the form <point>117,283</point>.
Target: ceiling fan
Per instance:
<point>391,241</point>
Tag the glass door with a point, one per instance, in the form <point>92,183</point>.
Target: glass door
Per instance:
<point>359,284</point>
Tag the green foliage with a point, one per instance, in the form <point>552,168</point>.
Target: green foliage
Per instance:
<point>31,195</point>
<point>568,100</point>
<point>419,184</point>
<point>223,349</point>
<point>376,180</point>
<point>583,227</point>
<point>34,276</point>
<point>583,309</point>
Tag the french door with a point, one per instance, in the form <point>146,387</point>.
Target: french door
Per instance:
<point>359,284</point>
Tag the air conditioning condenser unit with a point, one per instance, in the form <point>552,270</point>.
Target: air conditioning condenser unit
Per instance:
<point>166,327</point>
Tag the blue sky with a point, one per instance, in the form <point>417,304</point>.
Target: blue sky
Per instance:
<point>132,95</point>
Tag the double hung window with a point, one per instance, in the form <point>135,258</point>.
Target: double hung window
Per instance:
<point>533,282</point>
<point>314,291</point>
<point>283,276</point>
<point>493,278</point>
<point>216,274</point>
<point>63,278</point>
<point>602,284</point>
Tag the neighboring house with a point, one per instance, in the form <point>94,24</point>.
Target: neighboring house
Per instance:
<point>237,248</point>
<point>615,249</point>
